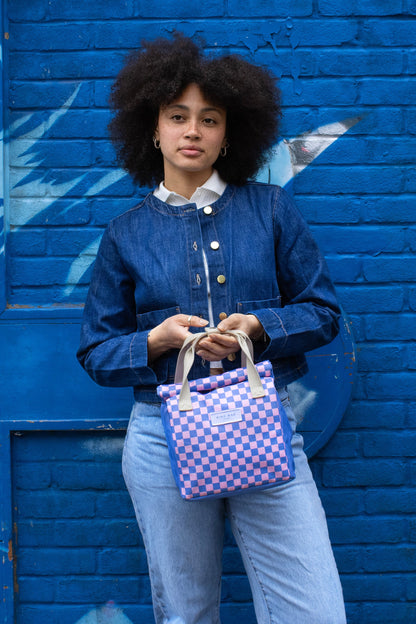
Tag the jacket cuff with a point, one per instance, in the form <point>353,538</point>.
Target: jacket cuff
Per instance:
<point>147,375</point>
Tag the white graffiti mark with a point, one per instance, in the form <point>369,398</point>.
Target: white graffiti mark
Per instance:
<point>80,266</point>
<point>292,156</point>
<point>108,614</point>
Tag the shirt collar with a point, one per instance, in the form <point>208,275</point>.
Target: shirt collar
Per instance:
<point>206,194</point>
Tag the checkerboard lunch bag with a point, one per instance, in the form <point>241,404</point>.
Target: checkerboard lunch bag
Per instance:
<point>226,433</point>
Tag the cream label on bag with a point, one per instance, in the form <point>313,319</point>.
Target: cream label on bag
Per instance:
<point>226,417</point>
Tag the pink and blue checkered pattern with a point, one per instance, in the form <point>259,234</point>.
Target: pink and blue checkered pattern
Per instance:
<point>219,460</point>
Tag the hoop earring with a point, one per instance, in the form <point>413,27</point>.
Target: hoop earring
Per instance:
<point>156,143</point>
<point>223,150</point>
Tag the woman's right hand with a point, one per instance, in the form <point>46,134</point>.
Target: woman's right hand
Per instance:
<point>171,334</point>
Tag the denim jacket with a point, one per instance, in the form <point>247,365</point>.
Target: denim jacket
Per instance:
<point>150,266</point>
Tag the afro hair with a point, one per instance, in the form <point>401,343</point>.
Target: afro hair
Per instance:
<point>158,73</point>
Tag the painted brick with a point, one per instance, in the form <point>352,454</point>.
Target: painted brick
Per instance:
<point>103,154</point>
<point>24,153</point>
<point>341,445</point>
<point>57,65</point>
<point>237,32</point>
<point>187,8</point>
<point>411,357</point>
<point>32,476</point>
<point>90,589</point>
<point>45,36</point>
<point>386,91</point>
<point>103,209</point>
<point>330,209</point>
<point>382,269</point>
<point>360,7</point>
<point>392,385</point>
<point>341,501</point>
<point>387,501</point>
<point>288,64</point>
<point>395,32</point>
<point>98,475</point>
<point>66,533</point>
<point>107,503</point>
<point>382,357</point>
<point>89,9</point>
<point>68,614</point>
<point>27,242</point>
<point>47,211</point>
<point>411,421</point>
<point>75,124</point>
<point>76,447</point>
<point>39,271</point>
<point>389,444</point>
<point>55,562</point>
<point>67,242</point>
<point>391,327</point>
<point>122,561</point>
<point>411,238</point>
<point>388,612</point>
<point>360,63</point>
<point>232,561</point>
<point>26,296</point>
<point>373,587</point>
<point>348,558</point>
<point>18,10</point>
<point>366,180</point>
<point>345,530</point>
<point>53,93</point>
<point>236,588</point>
<point>357,327</point>
<point>328,92</point>
<point>360,239</point>
<point>359,299</point>
<point>410,181</point>
<point>370,472</point>
<point>410,587</point>
<point>411,121</point>
<point>389,210</point>
<point>30,590</point>
<point>344,269</point>
<point>55,504</point>
<point>279,8</point>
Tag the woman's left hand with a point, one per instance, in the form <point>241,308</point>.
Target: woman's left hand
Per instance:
<point>216,347</point>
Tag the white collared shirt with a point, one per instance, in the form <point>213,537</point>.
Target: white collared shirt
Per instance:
<point>204,195</point>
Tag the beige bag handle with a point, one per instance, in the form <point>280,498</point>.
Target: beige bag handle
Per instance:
<point>186,359</point>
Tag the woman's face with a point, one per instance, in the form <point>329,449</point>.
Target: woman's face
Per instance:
<point>191,131</point>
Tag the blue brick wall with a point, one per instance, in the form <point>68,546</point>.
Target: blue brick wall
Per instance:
<point>336,60</point>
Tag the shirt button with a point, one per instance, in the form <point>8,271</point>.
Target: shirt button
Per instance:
<point>221,279</point>
<point>223,316</point>
<point>207,210</point>
<point>215,245</point>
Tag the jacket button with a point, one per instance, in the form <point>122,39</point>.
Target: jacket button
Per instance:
<point>221,279</point>
<point>207,210</point>
<point>231,357</point>
<point>215,245</point>
<point>223,316</point>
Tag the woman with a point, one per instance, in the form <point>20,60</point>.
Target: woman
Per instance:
<point>209,247</point>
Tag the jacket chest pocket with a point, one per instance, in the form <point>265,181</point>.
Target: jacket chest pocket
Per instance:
<point>148,320</point>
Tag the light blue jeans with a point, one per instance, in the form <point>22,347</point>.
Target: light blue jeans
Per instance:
<point>281,533</point>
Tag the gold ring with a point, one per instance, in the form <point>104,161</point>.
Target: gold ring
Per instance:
<point>189,319</point>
